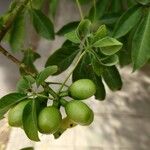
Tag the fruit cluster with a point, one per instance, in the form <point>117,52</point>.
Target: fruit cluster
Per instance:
<point>49,119</point>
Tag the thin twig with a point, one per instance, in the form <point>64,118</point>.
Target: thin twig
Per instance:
<point>80,10</point>
<point>57,83</point>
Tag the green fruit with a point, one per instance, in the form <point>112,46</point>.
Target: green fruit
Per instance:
<point>82,89</point>
<point>15,114</point>
<point>49,120</point>
<point>79,112</point>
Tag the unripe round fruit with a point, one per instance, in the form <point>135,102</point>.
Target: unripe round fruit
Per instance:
<point>82,89</point>
<point>15,114</point>
<point>49,120</point>
<point>79,112</point>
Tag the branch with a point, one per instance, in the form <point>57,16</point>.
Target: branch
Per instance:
<point>7,26</point>
<point>3,32</point>
<point>12,17</point>
<point>20,64</point>
<point>9,56</point>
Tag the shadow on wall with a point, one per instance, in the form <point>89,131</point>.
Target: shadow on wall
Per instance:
<point>8,74</point>
<point>123,120</point>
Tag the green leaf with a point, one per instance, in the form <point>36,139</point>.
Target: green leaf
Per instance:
<point>8,101</point>
<point>116,6</point>
<point>29,58</point>
<point>68,28</point>
<point>53,7</point>
<point>112,78</point>
<point>25,83</point>
<point>131,3</point>
<point>110,18</point>
<point>127,21</point>
<point>124,57</point>
<point>108,45</point>
<point>41,102</point>
<point>30,121</point>
<point>37,4</point>
<point>100,89</point>
<point>83,28</point>
<point>12,6</point>
<point>63,57</point>
<point>72,36</point>
<point>84,70</point>
<point>97,67</point>
<point>1,22</point>
<point>101,6</point>
<point>2,115</point>
<point>143,2</point>
<point>42,24</point>
<point>84,1</point>
<point>110,60</point>
<point>100,33</point>
<point>141,43</point>
<point>125,53</point>
<point>43,75</point>
<point>17,34</point>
